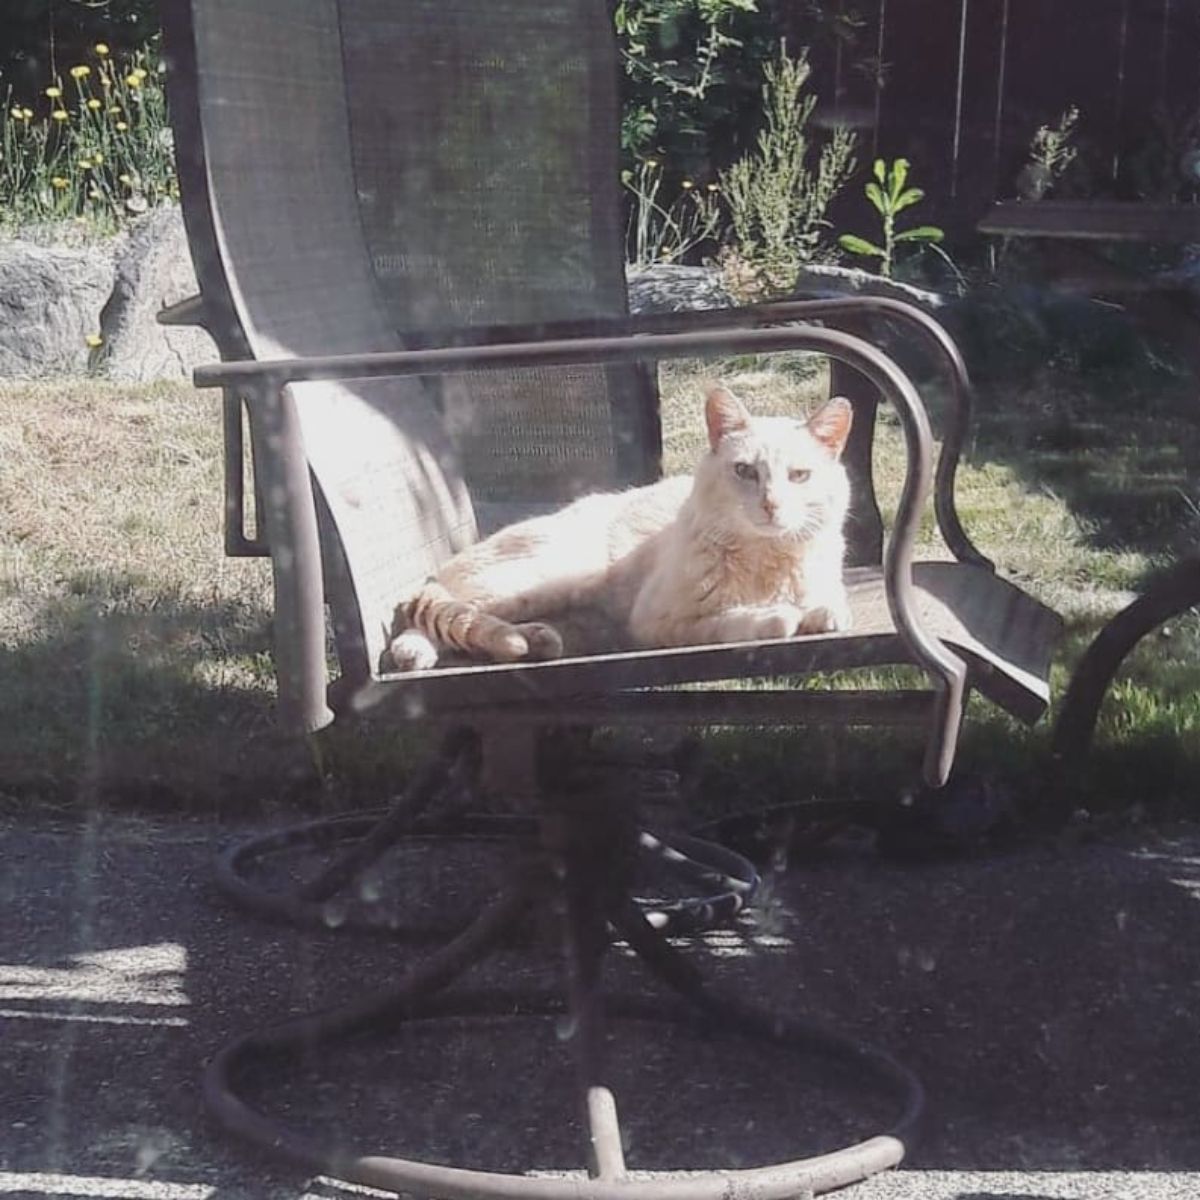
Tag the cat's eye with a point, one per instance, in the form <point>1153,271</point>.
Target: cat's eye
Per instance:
<point>799,475</point>
<point>745,470</point>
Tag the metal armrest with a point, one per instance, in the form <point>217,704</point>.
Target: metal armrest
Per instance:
<point>831,311</point>
<point>291,511</point>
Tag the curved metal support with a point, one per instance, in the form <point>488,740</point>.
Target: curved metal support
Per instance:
<point>1168,595</point>
<point>929,328</point>
<point>414,999</point>
<point>958,419</point>
<point>946,670</point>
<point>726,882</point>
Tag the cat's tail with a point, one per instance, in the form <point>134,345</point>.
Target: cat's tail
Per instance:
<point>460,625</point>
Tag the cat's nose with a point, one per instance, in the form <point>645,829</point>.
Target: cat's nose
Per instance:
<point>770,506</point>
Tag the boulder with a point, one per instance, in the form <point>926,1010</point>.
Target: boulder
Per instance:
<point>153,269</point>
<point>51,298</point>
<point>667,288</point>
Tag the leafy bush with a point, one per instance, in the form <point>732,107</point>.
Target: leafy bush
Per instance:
<point>777,198</point>
<point>691,74</point>
<point>98,146</point>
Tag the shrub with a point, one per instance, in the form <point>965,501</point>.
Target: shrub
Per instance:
<point>98,146</point>
<point>777,198</point>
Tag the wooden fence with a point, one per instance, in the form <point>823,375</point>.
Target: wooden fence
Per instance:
<point>960,87</point>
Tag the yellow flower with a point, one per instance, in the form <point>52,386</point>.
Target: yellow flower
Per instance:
<point>80,72</point>
<point>85,162</point>
<point>114,108</point>
<point>60,114</point>
<point>94,104</point>
<point>54,92</point>
<point>126,180</point>
<point>97,158</point>
<point>59,182</point>
<point>712,187</point>
<point>687,185</point>
<point>101,49</point>
<point>140,72</point>
<point>94,340</point>
<point>27,114</point>
<point>652,163</point>
<point>134,81</point>
<point>121,127</point>
<point>16,112</point>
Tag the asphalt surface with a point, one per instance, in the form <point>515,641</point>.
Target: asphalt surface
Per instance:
<point>1048,998</point>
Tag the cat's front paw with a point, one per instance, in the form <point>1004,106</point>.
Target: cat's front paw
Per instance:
<point>413,651</point>
<point>544,641</point>
<point>774,621</point>
<point>825,618</point>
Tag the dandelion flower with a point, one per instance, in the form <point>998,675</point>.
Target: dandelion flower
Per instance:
<point>97,158</point>
<point>114,109</point>
<point>59,182</point>
<point>140,72</point>
<point>27,114</point>
<point>94,340</point>
<point>127,180</point>
<point>652,163</point>
<point>81,72</point>
<point>54,92</point>
<point>94,104</point>
<point>85,162</point>
<point>101,49</point>
<point>60,114</point>
<point>687,185</point>
<point>712,187</point>
<point>16,112</point>
<point>134,81</point>
<point>121,127</point>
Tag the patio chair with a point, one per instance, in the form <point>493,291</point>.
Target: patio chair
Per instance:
<point>405,224</point>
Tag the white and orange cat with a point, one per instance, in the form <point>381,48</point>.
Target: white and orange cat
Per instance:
<point>749,547</point>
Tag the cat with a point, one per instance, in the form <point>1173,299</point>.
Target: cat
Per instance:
<point>749,547</point>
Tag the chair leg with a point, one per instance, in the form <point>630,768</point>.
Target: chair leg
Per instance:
<point>589,839</point>
<point>504,763</point>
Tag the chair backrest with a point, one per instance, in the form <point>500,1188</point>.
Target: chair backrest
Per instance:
<point>357,174</point>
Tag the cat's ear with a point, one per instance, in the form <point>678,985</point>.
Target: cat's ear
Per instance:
<point>724,414</point>
<point>830,424</point>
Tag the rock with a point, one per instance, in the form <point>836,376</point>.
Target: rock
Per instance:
<point>668,288</point>
<point>153,270</point>
<point>51,298</point>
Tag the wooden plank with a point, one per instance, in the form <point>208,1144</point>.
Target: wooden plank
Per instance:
<point>1097,220</point>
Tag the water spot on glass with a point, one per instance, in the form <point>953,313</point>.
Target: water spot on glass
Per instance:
<point>370,886</point>
<point>334,912</point>
<point>565,1028</point>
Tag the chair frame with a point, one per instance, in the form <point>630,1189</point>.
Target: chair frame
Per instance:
<point>581,866</point>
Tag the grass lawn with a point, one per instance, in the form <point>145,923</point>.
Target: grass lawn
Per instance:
<point>134,657</point>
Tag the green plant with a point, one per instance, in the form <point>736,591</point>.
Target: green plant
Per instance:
<point>777,201</point>
<point>658,234</point>
<point>889,196</point>
<point>1051,152</point>
<point>100,148</point>
<point>690,66</point>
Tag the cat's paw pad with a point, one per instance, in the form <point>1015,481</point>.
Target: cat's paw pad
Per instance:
<point>776,621</point>
<point>413,651</point>
<point>508,646</point>
<point>544,641</point>
<point>825,618</point>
